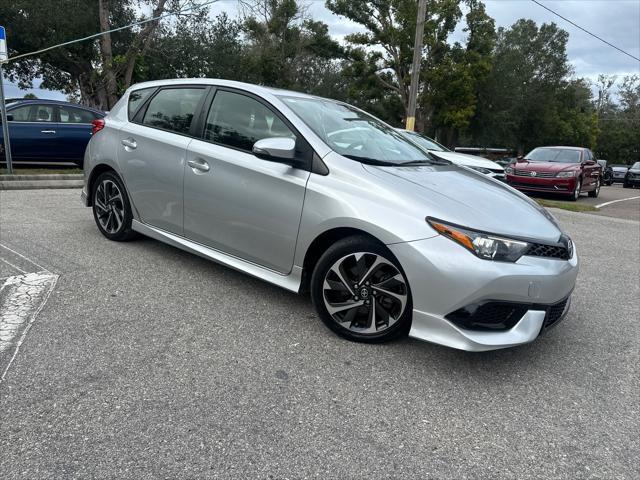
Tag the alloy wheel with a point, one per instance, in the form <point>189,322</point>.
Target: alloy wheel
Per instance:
<point>109,206</point>
<point>365,293</point>
<point>597,186</point>
<point>576,194</point>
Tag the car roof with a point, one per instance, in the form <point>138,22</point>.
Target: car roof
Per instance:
<point>250,87</point>
<point>40,101</point>
<point>564,147</point>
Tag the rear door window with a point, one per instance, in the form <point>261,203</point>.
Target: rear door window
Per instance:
<point>239,121</point>
<point>173,109</point>
<point>75,115</point>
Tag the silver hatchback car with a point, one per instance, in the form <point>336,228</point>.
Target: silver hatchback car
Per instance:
<point>316,195</point>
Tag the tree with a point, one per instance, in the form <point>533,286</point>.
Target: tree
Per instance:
<point>518,103</point>
<point>389,37</point>
<point>452,85</point>
<point>30,96</point>
<point>100,70</point>
<point>619,123</point>
<point>286,49</point>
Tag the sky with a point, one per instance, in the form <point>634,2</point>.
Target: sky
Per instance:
<point>617,21</point>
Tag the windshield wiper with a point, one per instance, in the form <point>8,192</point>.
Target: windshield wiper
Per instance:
<point>370,161</point>
<point>422,162</point>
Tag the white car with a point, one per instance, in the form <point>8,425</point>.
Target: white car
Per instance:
<point>482,165</point>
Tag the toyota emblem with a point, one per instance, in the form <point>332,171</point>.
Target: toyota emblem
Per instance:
<point>533,174</point>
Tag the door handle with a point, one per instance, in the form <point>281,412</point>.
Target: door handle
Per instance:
<point>47,131</point>
<point>199,164</point>
<point>129,143</point>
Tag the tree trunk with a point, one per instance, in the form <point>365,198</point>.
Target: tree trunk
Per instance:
<point>110,83</point>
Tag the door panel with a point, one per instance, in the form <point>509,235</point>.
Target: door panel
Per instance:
<point>74,132</point>
<point>243,205</point>
<point>33,133</point>
<point>152,162</point>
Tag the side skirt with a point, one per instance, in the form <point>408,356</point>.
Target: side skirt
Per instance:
<point>289,282</point>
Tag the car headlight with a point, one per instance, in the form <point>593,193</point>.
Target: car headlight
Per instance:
<point>481,170</point>
<point>508,170</point>
<point>566,174</point>
<point>482,245</point>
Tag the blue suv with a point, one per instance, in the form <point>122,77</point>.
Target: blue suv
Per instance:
<point>49,130</point>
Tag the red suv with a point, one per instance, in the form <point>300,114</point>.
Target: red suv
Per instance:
<point>561,170</point>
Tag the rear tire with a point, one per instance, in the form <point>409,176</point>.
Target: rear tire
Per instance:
<point>626,185</point>
<point>360,292</point>
<point>111,208</point>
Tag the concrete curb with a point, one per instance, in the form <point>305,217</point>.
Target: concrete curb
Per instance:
<point>44,176</point>
<point>39,182</point>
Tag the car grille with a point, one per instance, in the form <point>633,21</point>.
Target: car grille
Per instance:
<point>554,313</point>
<point>488,316</point>
<point>552,251</point>
<point>555,188</point>
<point>529,173</point>
<point>500,316</point>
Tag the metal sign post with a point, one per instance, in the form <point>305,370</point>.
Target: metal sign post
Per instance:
<point>4,55</point>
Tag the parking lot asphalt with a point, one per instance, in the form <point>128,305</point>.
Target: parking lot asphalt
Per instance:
<point>148,362</point>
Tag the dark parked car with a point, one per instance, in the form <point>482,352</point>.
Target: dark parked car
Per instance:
<point>632,178</point>
<point>619,172</point>
<point>49,130</point>
<point>566,171</point>
<point>607,172</point>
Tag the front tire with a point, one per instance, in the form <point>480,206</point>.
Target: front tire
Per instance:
<point>596,192</point>
<point>576,193</point>
<point>360,292</point>
<point>111,208</point>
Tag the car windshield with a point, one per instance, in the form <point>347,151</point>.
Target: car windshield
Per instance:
<point>423,141</point>
<point>636,166</point>
<point>559,155</point>
<point>355,134</point>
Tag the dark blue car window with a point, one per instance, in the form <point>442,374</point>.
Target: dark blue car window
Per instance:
<point>75,115</point>
<point>21,114</point>
<point>42,113</point>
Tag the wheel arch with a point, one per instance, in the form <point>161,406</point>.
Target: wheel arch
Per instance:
<point>321,243</point>
<point>95,173</point>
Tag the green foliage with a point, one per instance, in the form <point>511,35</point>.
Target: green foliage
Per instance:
<point>619,123</point>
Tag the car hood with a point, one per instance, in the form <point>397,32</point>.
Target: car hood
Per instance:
<point>470,199</point>
<point>467,160</point>
<point>545,166</point>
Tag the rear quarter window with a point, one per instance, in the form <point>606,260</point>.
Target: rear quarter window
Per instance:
<point>137,98</point>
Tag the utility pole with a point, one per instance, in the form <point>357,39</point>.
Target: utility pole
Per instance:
<point>4,55</point>
<point>415,68</point>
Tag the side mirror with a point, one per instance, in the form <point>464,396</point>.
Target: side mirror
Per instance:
<point>520,158</point>
<point>9,117</point>
<point>276,149</point>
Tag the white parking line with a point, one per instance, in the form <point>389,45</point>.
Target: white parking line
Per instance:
<point>615,201</point>
<point>12,265</point>
<point>22,298</point>
<point>40,267</point>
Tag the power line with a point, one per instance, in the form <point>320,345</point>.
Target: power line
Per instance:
<point>141,22</point>
<point>585,30</point>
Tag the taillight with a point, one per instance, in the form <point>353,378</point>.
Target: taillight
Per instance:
<point>98,124</point>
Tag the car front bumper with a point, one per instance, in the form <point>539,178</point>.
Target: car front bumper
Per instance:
<point>632,180</point>
<point>555,185</point>
<point>445,277</point>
